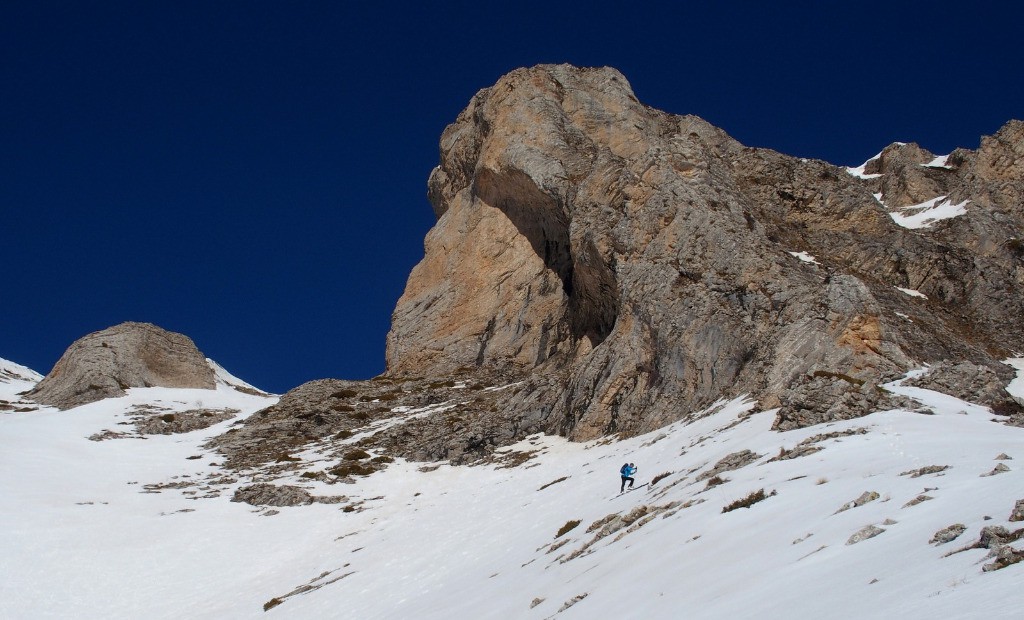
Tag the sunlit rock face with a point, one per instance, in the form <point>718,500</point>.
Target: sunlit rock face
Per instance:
<point>634,265</point>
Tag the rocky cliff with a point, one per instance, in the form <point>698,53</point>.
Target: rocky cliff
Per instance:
<point>600,267</point>
<point>106,363</point>
<point>636,264</point>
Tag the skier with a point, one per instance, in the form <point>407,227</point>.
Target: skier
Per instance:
<point>627,472</point>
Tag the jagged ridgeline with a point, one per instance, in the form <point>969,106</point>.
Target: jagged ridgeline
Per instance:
<point>624,266</point>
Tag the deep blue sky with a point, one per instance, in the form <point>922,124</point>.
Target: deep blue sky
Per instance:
<point>253,174</point>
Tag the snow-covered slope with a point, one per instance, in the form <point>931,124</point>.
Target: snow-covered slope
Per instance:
<point>225,378</point>
<point>133,527</point>
<point>16,378</point>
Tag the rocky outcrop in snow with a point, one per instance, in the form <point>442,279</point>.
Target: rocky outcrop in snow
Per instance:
<point>106,363</point>
<point>272,495</point>
<point>972,382</point>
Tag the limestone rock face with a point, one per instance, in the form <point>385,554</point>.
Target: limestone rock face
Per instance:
<point>632,265</point>
<point>106,363</point>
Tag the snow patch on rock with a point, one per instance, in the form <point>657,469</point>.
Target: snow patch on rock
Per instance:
<point>925,214</point>
<point>805,257</point>
<point>911,292</point>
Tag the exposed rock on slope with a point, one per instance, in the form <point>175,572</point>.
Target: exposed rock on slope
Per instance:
<point>107,362</point>
<point>636,265</point>
<point>418,418</point>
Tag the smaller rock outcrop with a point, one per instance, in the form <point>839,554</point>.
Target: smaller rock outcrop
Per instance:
<point>272,495</point>
<point>865,498</point>
<point>181,421</point>
<point>389,416</point>
<point>947,534</point>
<point>972,382</point>
<point>263,494</point>
<point>865,533</point>
<point>104,364</point>
<point>995,536</point>
<point>730,462</point>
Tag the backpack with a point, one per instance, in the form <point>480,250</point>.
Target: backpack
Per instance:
<point>625,470</point>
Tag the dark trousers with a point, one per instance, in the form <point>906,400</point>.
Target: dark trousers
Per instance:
<point>623,487</point>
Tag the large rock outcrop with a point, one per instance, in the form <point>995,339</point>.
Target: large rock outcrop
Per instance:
<point>601,267</point>
<point>633,265</point>
<point>104,364</point>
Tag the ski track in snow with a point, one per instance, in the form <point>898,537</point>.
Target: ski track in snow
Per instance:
<point>81,540</point>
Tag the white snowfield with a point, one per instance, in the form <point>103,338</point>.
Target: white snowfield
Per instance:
<point>81,538</point>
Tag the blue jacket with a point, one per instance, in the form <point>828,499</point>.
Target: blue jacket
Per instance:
<point>627,471</point>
